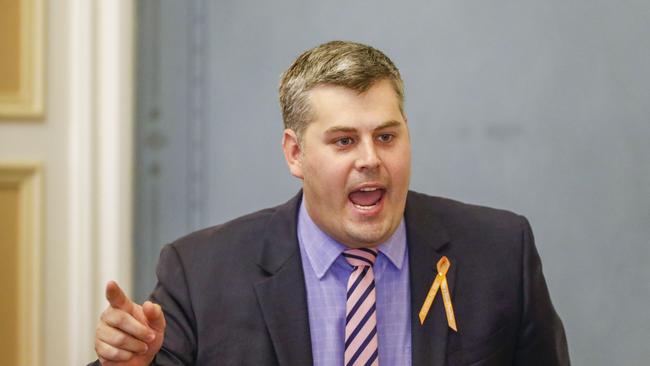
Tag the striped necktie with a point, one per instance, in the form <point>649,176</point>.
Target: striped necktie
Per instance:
<point>360,313</point>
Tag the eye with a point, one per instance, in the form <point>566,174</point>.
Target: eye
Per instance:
<point>385,137</point>
<point>344,141</point>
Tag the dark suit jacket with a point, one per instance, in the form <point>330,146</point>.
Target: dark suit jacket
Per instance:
<point>234,294</point>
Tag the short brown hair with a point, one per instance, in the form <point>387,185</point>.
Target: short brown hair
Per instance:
<point>348,64</point>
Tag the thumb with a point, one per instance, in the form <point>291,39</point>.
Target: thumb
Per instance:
<point>155,316</point>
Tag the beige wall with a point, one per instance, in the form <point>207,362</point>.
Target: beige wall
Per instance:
<point>64,144</point>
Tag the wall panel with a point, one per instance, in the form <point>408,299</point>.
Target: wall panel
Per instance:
<point>20,285</point>
<point>9,46</point>
<point>9,196</point>
<point>21,58</point>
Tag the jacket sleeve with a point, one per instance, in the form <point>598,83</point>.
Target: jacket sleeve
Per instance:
<point>541,339</point>
<point>173,295</point>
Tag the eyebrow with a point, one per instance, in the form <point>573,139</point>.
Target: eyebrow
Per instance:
<point>387,124</point>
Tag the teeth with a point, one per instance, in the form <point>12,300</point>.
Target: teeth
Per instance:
<point>369,189</point>
<point>366,208</point>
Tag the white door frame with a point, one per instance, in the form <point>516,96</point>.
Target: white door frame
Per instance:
<point>101,58</point>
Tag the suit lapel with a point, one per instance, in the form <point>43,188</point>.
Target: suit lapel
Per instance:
<point>427,239</point>
<point>282,295</point>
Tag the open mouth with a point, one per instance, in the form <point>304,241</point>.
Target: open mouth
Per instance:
<point>367,198</point>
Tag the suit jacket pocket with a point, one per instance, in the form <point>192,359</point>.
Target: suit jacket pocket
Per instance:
<point>483,349</point>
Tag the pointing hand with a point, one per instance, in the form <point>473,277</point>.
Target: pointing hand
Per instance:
<point>128,334</point>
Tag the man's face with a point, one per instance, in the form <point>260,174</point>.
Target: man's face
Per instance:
<point>355,163</point>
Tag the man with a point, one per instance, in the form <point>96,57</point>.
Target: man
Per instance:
<point>347,271</point>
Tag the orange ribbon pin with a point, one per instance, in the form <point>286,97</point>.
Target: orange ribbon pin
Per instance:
<point>440,282</point>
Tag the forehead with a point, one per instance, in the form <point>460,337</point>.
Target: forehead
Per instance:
<point>338,105</point>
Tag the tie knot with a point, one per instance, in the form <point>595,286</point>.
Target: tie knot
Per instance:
<point>360,257</point>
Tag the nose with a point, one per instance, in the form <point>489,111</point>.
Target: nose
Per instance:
<point>368,159</point>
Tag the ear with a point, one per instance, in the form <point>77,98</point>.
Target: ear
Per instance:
<point>292,152</point>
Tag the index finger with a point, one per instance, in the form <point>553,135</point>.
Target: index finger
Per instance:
<point>117,298</point>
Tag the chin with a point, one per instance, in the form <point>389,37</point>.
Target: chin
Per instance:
<point>369,234</point>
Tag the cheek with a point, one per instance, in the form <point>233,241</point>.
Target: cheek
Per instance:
<point>333,179</point>
<point>331,170</point>
<point>399,167</point>
<point>325,175</point>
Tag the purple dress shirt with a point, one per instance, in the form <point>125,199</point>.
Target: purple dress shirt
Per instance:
<point>326,277</point>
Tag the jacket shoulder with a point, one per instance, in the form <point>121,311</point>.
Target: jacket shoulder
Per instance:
<point>453,214</point>
<point>241,231</point>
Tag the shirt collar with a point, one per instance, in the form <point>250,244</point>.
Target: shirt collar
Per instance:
<point>322,250</point>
